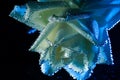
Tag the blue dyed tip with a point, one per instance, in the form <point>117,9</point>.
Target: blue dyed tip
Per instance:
<point>32,31</point>
<point>20,9</point>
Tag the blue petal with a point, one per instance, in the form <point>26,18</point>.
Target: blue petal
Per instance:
<point>78,76</point>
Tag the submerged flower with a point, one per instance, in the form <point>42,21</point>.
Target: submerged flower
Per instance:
<point>74,33</point>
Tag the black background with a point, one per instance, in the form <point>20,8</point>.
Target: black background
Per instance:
<point>17,63</point>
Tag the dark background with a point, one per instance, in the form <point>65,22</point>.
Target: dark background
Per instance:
<point>17,63</point>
